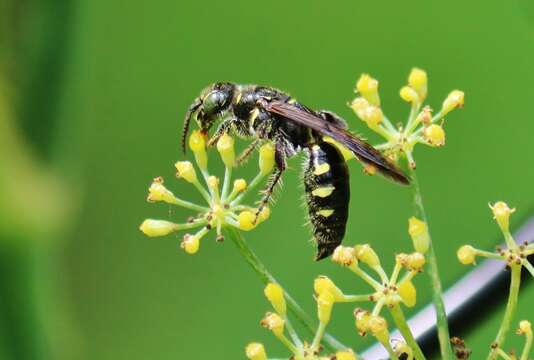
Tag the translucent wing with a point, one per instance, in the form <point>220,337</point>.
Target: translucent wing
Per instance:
<point>363,151</point>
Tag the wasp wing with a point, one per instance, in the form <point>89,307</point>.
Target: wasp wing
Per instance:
<point>363,151</point>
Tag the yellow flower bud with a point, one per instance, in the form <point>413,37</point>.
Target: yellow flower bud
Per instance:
<point>273,322</point>
<point>378,326</point>
<point>190,244</point>
<point>324,284</point>
<point>453,101</point>
<point>408,293</point>
<point>372,115</point>
<point>501,213</point>
<point>186,171</point>
<point>213,182</point>
<point>197,143</point>
<point>415,261</point>
<point>264,214</point>
<point>466,254</point>
<point>366,254</point>
<point>344,255</point>
<point>275,294</point>
<point>425,116</point>
<point>370,169</point>
<point>418,80</point>
<point>362,321</point>
<point>266,158</point>
<point>325,302</point>
<point>359,104</point>
<point>158,192</point>
<point>345,355</point>
<point>255,351</point>
<point>240,185</point>
<point>368,87</point>
<point>419,233</point>
<point>435,135</point>
<point>246,220</point>
<point>525,328</point>
<point>225,146</point>
<point>408,94</point>
<point>152,227</point>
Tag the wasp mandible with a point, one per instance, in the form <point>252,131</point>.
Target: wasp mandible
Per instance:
<point>260,113</point>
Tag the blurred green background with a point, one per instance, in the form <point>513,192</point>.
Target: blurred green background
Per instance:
<point>92,95</point>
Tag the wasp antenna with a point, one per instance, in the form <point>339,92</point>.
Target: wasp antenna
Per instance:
<point>185,129</point>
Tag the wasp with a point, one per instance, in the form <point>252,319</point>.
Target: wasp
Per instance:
<point>260,113</point>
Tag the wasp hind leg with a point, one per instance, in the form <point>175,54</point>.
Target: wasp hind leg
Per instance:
<point>244,156</point>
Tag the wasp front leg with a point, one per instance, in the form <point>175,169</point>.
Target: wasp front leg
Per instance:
<point>280,162</point>
<point>223,128</point>
<point>247,152</point>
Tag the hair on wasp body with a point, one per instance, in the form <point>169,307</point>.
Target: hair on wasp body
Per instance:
<point>260,113</point>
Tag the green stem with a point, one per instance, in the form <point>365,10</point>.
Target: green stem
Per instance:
<point>526,349</point>
<point>266,277</point>
<point>509,313</point>
<point>400,321</point>
<point>437,293</point>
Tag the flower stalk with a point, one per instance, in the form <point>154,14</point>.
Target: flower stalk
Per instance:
<point>437,292</point>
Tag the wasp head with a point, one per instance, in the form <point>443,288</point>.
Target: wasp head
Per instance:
<point>212,103</point>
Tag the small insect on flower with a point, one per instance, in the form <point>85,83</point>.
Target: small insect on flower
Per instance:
<point>284,127</point>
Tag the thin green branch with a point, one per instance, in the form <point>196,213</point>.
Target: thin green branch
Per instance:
<point>509,313</point>
<point>437,293</point>
<point>400,321</point>
<point>266,277</point>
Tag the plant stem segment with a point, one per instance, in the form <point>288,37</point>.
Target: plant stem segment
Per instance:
<point>400,321</point>
<point>266,277</point>
<point>509,313</point>
<point>437,293</point>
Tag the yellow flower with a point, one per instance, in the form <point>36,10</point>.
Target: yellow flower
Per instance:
<point>466,254</point>
<point>325,302</point>
<point>186,171</point>
<point>419,233</point>
<point>408,293</point>
<point>525,328</point>
<point>324,284</point>
<point>362,321</point>
<point>190,244</point>
<point>344,255</point>
<point>275,294</point>
<point>264,214</point>
<point>501,213</point>
<point>378,326</point>
<point>418,80</point>
<point>152,227</point>
<point>453,101</point>
<point>266,161</point>
<point>240,185</point>
<point>345,355</point>
<point>256,351</point>
<point>368,87</point>
<point>435,135</point>
<point>366,254</point>
<point>273,322</point>
<point>158,192</point>
<point>246,220</point>
<point>225,146</point>
<point>408,94</point>
<point>197,143</point>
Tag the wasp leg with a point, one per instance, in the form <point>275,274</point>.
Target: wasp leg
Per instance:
<point>188,115</point>
<point>223,128</point>
<point>246,153</point>
<point>280,161</point>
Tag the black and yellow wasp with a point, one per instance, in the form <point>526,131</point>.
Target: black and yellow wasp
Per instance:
<point>266,114</point>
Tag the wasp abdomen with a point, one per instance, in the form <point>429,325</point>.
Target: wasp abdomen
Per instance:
<point>326,181</point>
